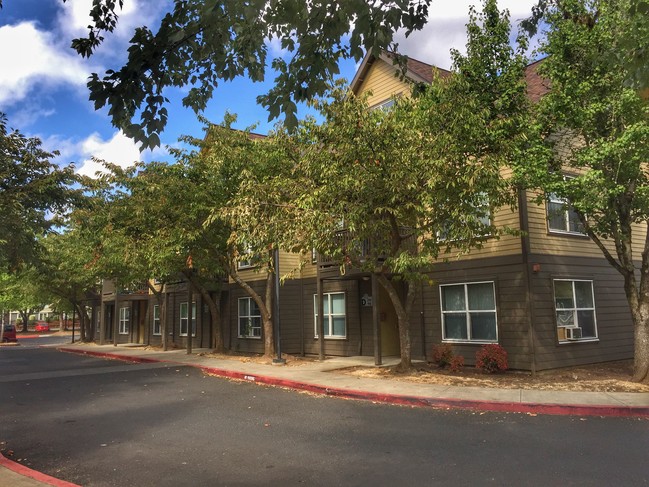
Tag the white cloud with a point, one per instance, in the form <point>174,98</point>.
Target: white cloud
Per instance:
<point>73,21</point>
<point>74,17</point>
<point>446,29</point>
<point>32,59</point>
<point>118,150</point>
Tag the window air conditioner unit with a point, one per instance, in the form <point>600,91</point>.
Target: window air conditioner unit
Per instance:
<point>573,333</point>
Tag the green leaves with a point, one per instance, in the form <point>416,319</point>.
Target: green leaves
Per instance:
<point>34,194</point>
<point>203,43</point>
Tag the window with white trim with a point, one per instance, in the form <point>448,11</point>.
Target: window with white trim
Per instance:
<point>469,312</point>
<point>385,106</point>
<point>335,320</point>
<point>574,302</point>
<point>562,218</point>
<point>184,318</point>
<point>157,330</point>
<point>249,318</point>
<point>124,320</point>
<point>246,258</point>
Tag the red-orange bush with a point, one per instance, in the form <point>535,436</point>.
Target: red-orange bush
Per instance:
<point>456,364</point>
<point>491,358</point>
<point>442,354</point>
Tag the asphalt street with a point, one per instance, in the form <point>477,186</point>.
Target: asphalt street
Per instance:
<point>99,422</point>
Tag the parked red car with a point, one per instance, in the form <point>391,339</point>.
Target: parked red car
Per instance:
<point>9,334</point>
<point>41,326</point>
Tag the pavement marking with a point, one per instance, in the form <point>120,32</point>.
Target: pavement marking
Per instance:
<point>56,374</point>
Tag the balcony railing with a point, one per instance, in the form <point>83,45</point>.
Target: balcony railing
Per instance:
<point>357,251</point>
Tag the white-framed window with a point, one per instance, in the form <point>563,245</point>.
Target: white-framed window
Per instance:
<point>184,318</point>
<point>335,320</point>
<point>249,319</point>
<point>386,105</point>
<point>246,258</point>
<point>98,322</point>
<point>157,330</point>
<point>124,320</point>
<point>469,312</point>
<point>562,218</point>
<point>574,302</point>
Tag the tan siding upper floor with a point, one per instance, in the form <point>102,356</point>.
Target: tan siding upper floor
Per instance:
<point>507,244</point>
<point>544,241</point>
<point>383,84</point>
<point>288,263</point>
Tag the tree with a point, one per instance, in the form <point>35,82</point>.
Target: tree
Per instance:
<point>252,210</point>
<point>149,224</point>
<point>66,274</point>
<point>634,55</point>
<point>201,44</point>
<point>19,291</point>
<point>33,192</point>
<point>594,125</point>
<point>408,184</point>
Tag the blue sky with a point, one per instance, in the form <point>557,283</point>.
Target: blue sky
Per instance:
<point>43,82</point>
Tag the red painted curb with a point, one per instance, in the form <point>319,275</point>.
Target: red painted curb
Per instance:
<point>440,403</point>
<point>33,474</point>
<point>404,400</point>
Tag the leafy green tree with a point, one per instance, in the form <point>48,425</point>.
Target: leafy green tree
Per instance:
<point>33,192</point>
<point>20,292</point>
<point>594,126</point>
<point>149,224</point>
<point>633,52</point>
<point>200,44</point>
<point>408,184</point>
<point>257,210</point>
<point>66,274</point>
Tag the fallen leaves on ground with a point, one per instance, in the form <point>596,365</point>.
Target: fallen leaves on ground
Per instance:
<point>606,377</point>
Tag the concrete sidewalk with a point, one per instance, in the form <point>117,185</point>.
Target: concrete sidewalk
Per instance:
<point>317,377</point>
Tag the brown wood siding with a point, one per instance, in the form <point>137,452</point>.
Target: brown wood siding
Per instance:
<point>494,247</point>
<point>291,316</point>
<point>383,83</point>
<point>614,327</point>
<point>249,345</point>
<point>335,346</point>
<point>510,281</point>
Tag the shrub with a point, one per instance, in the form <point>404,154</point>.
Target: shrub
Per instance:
<point>457,362</point>
<point>443,354</point>
<point>491,358</point>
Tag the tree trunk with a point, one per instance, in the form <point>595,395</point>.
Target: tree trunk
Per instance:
<point>215,314</point>
<point>162,302</point>
<point>214,304</point>
<point>638,301</point>
<point>264,307</point>
<point>269,333</point>
<point>641,356</point>
<point>25,316</point>
<point>82,321</point>
<point>403,318</point>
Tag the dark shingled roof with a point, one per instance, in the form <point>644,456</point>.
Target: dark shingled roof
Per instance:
<point>419,71</point>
